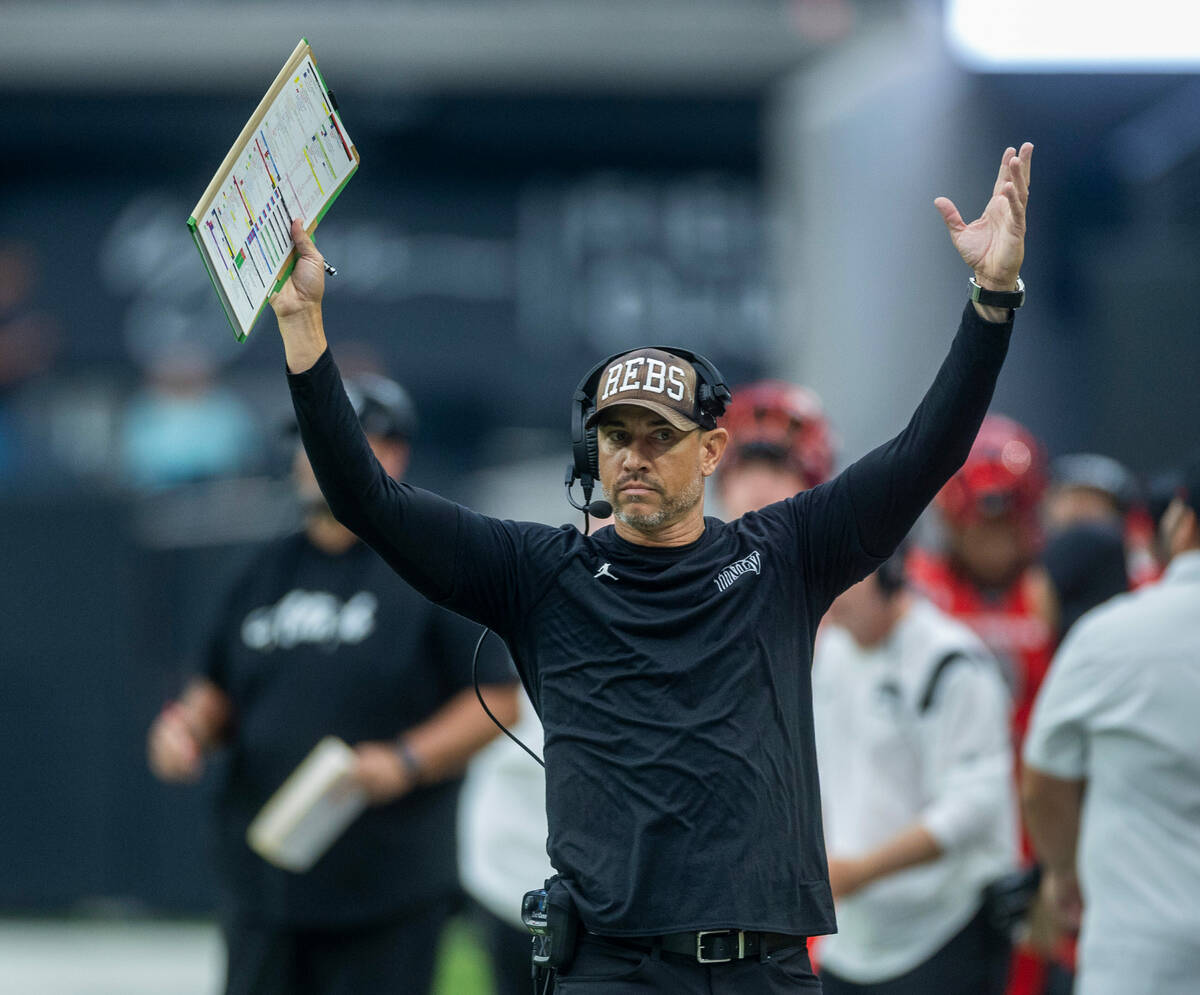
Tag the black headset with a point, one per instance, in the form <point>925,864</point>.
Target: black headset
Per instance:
<point>712,397</point>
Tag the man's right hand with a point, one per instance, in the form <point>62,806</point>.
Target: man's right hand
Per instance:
<point>306,285</point>
<point>297,305</point>
<point>178,738</point>
<point>173,748</point>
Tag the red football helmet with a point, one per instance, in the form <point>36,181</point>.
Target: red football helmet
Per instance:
<point>773,420</point>
<point>1005,473</point>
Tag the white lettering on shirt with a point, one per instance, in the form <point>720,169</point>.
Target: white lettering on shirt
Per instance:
<point>314,617</point>
<point>747,564</point>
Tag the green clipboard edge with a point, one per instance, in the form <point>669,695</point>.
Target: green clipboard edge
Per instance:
<point>193,227</point>
<point>290,262</point>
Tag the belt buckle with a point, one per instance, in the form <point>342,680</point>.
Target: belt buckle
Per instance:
<point>702,959</point>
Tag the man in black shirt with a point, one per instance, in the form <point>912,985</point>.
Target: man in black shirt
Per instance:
<point>668,655</point>
<point>320,637</point>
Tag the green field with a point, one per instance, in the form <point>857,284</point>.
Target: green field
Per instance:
<point>462,963</point>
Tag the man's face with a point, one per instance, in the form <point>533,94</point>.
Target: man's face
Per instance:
<point>864,611</point>
<point>1068,506</point>
<point>755,484</point>
<point>991,551</point>
<point>651,472</point>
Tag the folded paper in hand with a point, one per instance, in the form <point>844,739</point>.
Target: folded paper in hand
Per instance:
<point>311,809</point>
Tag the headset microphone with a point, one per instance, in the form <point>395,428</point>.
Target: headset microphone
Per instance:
<point>598,508</point>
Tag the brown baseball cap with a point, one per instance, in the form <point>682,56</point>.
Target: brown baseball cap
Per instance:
<point>649,378</point>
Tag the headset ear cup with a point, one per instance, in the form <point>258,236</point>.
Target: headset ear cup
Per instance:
<point>592,441</point>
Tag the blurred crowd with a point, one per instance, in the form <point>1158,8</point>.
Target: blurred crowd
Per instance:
<point>926,687</point>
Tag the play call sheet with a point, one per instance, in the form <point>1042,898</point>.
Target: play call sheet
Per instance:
<point>292,166</point>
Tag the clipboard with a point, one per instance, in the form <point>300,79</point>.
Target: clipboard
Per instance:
<point>291,160</point>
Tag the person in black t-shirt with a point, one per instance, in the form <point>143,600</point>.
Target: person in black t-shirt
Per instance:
<point>318,637</point>
<point>668,654</point>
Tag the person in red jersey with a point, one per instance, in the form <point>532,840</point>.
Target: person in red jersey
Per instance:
<point>780,444</point>
<point>987,575</point>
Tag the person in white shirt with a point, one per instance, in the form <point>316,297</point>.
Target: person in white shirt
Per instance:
<point>1111,786</point>
<point>915,759</point>
<point>502,847</point>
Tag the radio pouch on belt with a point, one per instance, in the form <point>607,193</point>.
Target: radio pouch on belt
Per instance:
<point>550,916</point>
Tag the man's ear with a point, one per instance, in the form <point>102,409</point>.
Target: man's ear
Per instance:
<point>712,447</point>
<point>393,455</point>
<point>1189,527</point>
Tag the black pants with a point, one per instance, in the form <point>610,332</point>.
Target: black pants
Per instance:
<point>974,962</point>
<point>509,950</point>
<point>394,957</point>
<point>603,968</point>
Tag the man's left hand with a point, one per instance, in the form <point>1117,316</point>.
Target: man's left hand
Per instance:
<point>382,773</point>
<point>994,244</point>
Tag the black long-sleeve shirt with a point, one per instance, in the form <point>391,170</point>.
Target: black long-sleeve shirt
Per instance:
<point>674,686</point>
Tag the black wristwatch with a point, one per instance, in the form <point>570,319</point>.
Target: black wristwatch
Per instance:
<point>998,298</point>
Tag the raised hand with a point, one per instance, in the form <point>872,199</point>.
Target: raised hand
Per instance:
<point>297,306</point>
<point>993,245</point>
<point>306,285</point>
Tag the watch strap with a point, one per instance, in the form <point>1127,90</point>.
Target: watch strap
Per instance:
<point>998,298</point>
<point>412,765</point>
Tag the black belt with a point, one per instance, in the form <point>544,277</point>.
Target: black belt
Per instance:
<point>710,946</point>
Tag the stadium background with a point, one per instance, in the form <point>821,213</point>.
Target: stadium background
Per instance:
<point>541,183</point>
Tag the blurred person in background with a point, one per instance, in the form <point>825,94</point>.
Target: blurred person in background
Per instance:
<point>918,797</point>
<point>183,426</point>
<point>780,444</point>
<point>987,575</point>
<point>1085,565</point>
<point>320,637</point>
<point>1111,785</point>
<point>1161,489</point>
<point>1090,489</point>
<point>502,847</point>
<point>29,341</point>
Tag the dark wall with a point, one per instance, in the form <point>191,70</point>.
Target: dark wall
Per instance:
<point>484,243</point>
<point>97,633</point>
<point>1107,355</point>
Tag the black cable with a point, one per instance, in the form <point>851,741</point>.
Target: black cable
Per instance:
<point>478,694</point>
<point>587,527</point>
